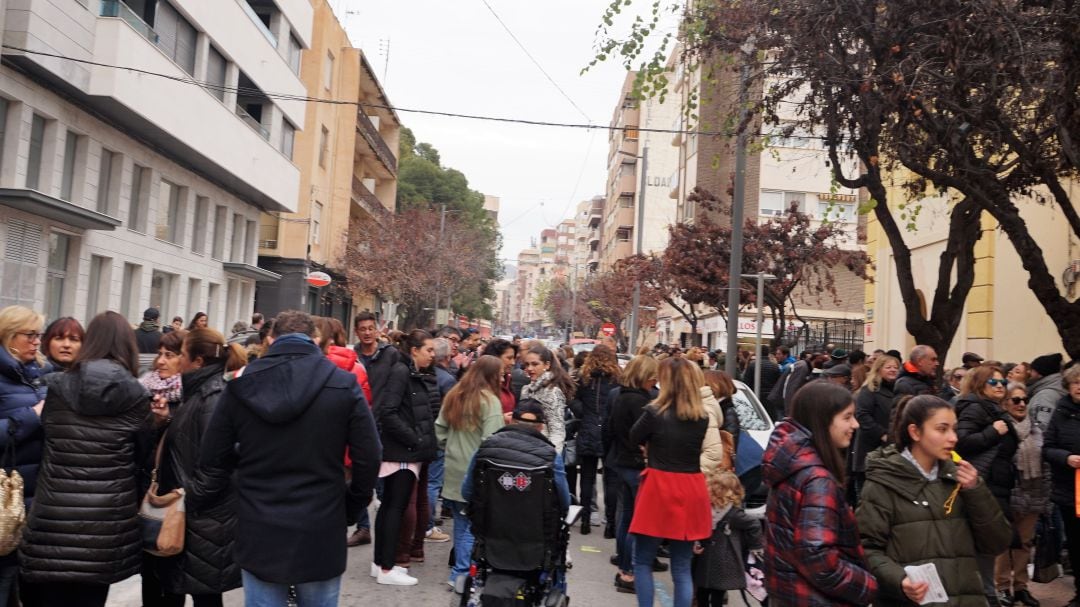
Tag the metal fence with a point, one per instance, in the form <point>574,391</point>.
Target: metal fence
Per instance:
<point>815,333</point>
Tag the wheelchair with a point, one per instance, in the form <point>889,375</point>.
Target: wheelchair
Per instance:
<point>519,552</point>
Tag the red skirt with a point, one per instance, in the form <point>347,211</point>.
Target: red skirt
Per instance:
<point>672,505</point>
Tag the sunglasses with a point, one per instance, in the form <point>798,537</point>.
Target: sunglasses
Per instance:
<point>1016,400</point>
<point>996,382</point>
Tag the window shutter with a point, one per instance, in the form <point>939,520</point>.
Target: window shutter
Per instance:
<point>22,251</point>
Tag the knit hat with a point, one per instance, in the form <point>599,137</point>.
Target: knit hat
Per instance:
<point>151,314</point>
<point>1047,364</point>
<point>839,354</point>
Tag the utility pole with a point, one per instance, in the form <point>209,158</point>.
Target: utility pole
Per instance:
<point>438,268</point>
<point>635,312</point>
<point>761,278</point>
<point>739,201</point>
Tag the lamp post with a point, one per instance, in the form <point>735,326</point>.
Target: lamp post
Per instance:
<point>635,309</point>
<point>761,278</point>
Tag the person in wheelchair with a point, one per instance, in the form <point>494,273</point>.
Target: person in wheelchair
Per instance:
<point>517,498</point>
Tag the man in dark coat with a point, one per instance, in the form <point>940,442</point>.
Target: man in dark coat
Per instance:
<point>919,373</point>
<point>770,373</point>
<point>282,425</point>
<point>148,335</point>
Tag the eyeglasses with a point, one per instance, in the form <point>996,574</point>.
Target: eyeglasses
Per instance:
<point>996,382</point>
<point>1016,400</point>
<point>31,335</point>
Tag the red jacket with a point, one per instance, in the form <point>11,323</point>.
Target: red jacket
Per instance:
<point>347,360</point>
<point>813,556</point>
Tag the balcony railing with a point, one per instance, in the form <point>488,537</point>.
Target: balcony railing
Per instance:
<point>367,200</point>
<point>254,124</point>
<point>116,8</point>
<point>258,23</point>
<point>375,140</point>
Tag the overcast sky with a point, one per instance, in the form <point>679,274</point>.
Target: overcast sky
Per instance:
<point>454,56</point>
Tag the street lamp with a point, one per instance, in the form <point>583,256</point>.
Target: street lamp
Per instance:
<point>639,228</point>
<point>761,278</point>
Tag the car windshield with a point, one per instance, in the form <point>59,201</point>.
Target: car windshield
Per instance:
<point>751,415</point>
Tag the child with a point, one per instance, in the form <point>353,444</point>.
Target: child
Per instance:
<point>720,562</point>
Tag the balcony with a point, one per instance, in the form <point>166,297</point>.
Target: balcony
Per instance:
<point>251,122</point>
<point>365,199</point>
<point>374,139</point>
<point>116,8</point>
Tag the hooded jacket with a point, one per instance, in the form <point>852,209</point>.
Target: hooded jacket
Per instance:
<point>148,337</point>
<point>21,387</point>
<point>282,426</point>
<point>902,522</point>
<point>979,442</point>
<point>1062,439</point>
<point>812,552</point>
<point>405,412</point>
<point>83,526</point>
<point>1045,393</point>
<point>346,359</point>
<point>206,566</point>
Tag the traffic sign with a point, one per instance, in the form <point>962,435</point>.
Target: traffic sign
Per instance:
<point>608,329</point>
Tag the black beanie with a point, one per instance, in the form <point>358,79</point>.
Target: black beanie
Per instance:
<point>1048,364</point>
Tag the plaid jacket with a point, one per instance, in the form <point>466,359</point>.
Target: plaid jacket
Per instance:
<point>812,552</point>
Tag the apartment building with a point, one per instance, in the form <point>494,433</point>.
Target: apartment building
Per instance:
<point>594,228</point>
<point>347,154</point>
<point>124,189</point>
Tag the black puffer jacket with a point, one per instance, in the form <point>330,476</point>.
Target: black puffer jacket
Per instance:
<point>873,409</point>
<point>979,442</point>
<point>593,392</point>
<point>405,413</point>
<point>1061,440</point>
<point>913,383</point>
<point>206,566</point>
<point>625,412</point>
<point>83,526</point>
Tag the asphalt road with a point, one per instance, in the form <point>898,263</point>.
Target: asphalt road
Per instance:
<point>590,580</point>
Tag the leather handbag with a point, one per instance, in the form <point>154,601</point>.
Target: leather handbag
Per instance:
<point>162,517</point>
<point>12,506</point>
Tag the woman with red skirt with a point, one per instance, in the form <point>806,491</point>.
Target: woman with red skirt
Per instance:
<point>673,500</point>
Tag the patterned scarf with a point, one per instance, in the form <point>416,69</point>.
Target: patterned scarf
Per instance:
<point>1029,452</point>
<point>169,388</point>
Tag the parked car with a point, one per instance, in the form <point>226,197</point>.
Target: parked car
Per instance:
<point>756,426</point>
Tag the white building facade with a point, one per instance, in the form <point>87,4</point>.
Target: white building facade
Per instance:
<point>122,189</point>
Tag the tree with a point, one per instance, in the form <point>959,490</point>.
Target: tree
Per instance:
<point>565,308</point>
<point>668,287</point>
<point>609,295</point>
<point>976,99</point>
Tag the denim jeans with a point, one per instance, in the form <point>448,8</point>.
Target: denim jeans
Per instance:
<point>629,480</point>
<point>258,593</point>
<point>463,540</point>
<point>434,485</point>
<point>645,547</point>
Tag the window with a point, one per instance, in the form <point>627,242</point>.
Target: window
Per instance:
<point>294,54</point>
<point>221,216</point>
<point>288,136</point>
<point>316,221</point>
<point>55,280</point>
<point>216,68</point>
<point>202,216</point>
<point>797,199</point>
<point>328,70</point>
<point>194,296</point>
<point>71,154</point>
<point>623,234</point>
<point>33,160</point>
<point>22,248</point>
<point>170,216</point>
<point>213,296</point>
<point>631,132</point>
<point>99,276</point>
<point>232,294</point>
<point>324,146</point>
<point>163,292</point>
<point>835,211</point>
<point>626,202</point>
<point>105,181</point>
<point>235,252</point>
<point>139,203</point>
<point>175,36</point>
<point>250,252</point>
<point>776,203</point>
<point>129,291</point>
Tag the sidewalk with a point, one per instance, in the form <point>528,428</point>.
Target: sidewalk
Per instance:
<point>1057,593</point>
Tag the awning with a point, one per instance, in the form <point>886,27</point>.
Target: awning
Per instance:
<point>246,270</point>
<point>42,205</point>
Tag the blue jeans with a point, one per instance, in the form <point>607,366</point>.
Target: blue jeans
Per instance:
<point>629,480</point>
<point>258,593</point>
<point>434,485</point>
<point>463,540</point>
<point>645,547</point>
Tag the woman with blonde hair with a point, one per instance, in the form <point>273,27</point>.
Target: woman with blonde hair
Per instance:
<point>470,413</point>
<point>598,376</point>
<point>873,410</point>
<point>22,393</point>
<point>672,501</point>
<point>723,389</point>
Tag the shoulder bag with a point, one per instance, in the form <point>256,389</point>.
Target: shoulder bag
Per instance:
<point>12,506</point>
<point>161,517</point>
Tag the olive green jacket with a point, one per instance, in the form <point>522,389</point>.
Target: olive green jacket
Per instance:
<point>902,521</point>
<point>461,445</point>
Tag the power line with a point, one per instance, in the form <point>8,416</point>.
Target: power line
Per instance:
<point>534,61</point>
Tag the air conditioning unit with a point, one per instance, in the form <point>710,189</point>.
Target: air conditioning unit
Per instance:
<point>267,244</point>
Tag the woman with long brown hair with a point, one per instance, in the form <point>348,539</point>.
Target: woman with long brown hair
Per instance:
<point>599,374</point>
<point>205,569</point>
<point>470,413</point>
<point>551,385</point>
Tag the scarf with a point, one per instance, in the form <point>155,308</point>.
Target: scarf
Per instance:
<point>930,476</point>
<point>1029,451</point>
<point>169,388</point>
<point>912,369</point>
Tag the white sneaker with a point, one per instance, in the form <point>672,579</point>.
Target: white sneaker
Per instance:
<point>397,576</point>
<point>375,570</point>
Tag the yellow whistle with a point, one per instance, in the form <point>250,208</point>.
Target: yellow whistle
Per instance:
<point>956,457</point>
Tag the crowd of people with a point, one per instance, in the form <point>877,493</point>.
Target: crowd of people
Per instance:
<point>278,439</point>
